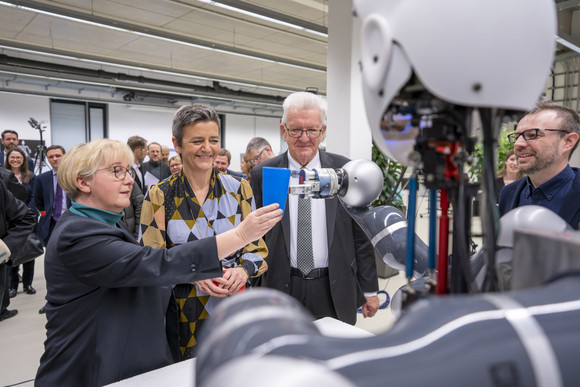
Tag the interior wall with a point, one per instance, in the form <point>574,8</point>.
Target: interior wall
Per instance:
<point>154,124</point>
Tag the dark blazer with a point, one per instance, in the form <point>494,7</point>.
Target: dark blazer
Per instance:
<point>351,261</point>
<point>164,170</point>
<point>138,181</point>
<point>570,211</point>
<point>106,301</point>
<point>43,200</point>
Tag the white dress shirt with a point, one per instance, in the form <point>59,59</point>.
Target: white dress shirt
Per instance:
<point>318,212</point>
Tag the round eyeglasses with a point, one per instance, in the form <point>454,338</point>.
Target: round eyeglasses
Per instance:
<point>120,172</point>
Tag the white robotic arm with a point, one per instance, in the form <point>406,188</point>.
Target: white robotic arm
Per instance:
<point>484,53</point>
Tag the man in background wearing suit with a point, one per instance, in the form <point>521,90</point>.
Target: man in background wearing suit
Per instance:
<point>139,147</point>
<point>154,170</point>
<point>10,140</point>
<point>49,197</point>
<point>331,267</point>
<point>543,143</point>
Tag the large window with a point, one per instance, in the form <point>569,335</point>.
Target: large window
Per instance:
<point>73,123</point>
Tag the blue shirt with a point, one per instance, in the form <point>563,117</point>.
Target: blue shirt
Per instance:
<point>551,194</point>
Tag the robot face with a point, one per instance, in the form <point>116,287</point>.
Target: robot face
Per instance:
<point>479,53</point>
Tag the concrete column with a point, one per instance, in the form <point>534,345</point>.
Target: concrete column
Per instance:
<point>348,130</point>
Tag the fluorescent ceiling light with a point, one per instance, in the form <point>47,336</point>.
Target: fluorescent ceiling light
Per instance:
<point>263,17</point>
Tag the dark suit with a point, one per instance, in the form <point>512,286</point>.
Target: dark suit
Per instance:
<point>106,301</point>
<point>165,172</point>
<point>16,222</point>
<point>570,210</point>
<point>44,201</point>
<point>351,261</point>
<point>138,177</point>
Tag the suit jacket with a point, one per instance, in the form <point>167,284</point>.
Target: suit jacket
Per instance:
<point>106,301</point>
<point>44,200</point>
<point>165,172</point>
<point>351,261</point>
<point>138,180</point>
<point>570,211</point>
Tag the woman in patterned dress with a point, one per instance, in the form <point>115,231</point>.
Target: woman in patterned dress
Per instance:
<point>197,203</point>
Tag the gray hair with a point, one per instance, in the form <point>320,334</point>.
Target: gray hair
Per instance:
<point>257,143</point>
<point>305,99</point>
<point>190,114</point>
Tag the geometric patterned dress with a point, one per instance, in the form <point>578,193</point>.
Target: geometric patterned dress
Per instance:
<point>171,215</point>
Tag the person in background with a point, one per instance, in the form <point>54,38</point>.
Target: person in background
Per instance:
<point>246,166</point>
<point>259,150</point>
<point>198,203</point>
<point>331,267</point>
<point>138,146</point>
<point>222,163</point>
<point>544,141</point>
<point>16,223</point>
<point>165,154</point>
<point>17,163</point>
<point>132,213</point>
<point>175,164</point>
<point>508,173</point>
<point>9,141</point>
<point>154,170</point>
<point>106,294</point>
<point>49,197</point>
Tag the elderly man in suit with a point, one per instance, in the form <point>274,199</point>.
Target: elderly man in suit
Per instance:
<point>544,140</point>
<point>332,270</point>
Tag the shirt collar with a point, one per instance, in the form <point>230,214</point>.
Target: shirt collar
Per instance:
<point>550,188</point>
<point>295,165</point>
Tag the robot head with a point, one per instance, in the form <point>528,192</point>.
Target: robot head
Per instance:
<point>479,53</point>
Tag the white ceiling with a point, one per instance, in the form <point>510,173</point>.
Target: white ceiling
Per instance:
<point>171,52</point>
<point>163,50</point>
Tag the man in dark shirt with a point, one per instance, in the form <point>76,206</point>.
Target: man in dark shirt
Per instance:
<point>543,143</point>
<point>154,170</point>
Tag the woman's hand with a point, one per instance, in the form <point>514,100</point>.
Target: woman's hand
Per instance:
<point>252,228</point>
<point>237,278</point>
<point>215,287</point>
<point>259,222</point>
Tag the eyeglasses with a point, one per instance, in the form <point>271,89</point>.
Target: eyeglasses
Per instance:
<point>120,172</point>
<point>311,133</point>
<point>530,134</point>
<point>256,159</point>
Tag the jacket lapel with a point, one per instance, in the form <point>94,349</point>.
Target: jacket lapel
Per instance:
<point>331,204</point>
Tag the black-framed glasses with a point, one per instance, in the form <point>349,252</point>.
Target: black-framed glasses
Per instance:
<point>256,159</point>
<point>530,134</point>
<point>120,172</point>
<point>311,133</point>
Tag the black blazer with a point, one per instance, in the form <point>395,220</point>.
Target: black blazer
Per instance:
<point>106,301</point>
<point>509,198</point>
<point>351,261</point>
<point>165,172</point>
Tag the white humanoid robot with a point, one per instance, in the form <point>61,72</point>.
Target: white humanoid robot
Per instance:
<point>428,67</point>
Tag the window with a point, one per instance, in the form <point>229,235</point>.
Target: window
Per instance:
<point>73,123</point>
